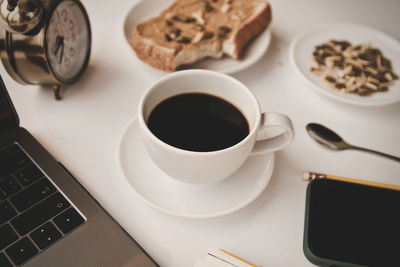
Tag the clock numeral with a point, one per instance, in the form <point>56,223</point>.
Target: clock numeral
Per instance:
<point>64,15</point>
<point>71,25</point>
<point>72,52</point>
<point>67,62</point>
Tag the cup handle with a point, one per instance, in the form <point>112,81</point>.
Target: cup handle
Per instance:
<point>267,141</point>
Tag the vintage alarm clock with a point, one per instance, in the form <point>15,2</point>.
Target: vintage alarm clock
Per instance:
<point>45,42</point>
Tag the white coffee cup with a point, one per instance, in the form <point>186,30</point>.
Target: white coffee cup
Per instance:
<point>210,167</point>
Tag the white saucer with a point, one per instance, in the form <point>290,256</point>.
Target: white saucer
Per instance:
<point>146,9</point>
<point>173,197</point>
<point>304,44</point>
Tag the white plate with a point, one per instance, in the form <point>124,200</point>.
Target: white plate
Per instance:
<point>303,46</point>
<point>146,9</point>
<point>192,201</point>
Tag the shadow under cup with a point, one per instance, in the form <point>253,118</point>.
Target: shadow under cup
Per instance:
<point>192,166</point>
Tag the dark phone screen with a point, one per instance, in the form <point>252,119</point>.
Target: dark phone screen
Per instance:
<point>354,223</point>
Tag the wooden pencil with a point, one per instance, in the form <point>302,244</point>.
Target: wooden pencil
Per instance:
<point>309,176</point>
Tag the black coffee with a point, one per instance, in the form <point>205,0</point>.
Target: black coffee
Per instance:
<point>198,122</point>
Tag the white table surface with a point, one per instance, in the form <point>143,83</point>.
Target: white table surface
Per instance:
<point>83,131</point>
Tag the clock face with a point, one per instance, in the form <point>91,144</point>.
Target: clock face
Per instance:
<point>68,41</point>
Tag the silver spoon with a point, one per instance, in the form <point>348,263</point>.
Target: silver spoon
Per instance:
<point>333,141</point>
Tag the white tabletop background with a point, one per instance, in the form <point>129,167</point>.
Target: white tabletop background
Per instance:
<point>83,131</point>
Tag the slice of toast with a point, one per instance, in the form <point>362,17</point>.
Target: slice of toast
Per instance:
<point>190,30</point>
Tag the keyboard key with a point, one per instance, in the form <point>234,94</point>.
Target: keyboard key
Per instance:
<point>11,159</point>
<point>6,212</point>
<point>33,194</point>
<point>29,175</point>
<point>21,251</point>
<point>7,236</point>
<point>40,213</point>
<point>8,187</point>
<point>46,235</point>
<point>4,262</point>
<point>68,220</point>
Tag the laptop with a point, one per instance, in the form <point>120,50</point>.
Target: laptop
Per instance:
<point>46,217</point>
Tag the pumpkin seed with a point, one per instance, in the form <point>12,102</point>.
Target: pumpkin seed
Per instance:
<point>175,33</point>
<point>207,7</point>
<point>340,85</point>
<point>208,35</point>
<point>183,39</point>
<point>183,18</point>
<point>198,27</point>
<point>330,79</point>
<point>223,31</point>
<point>167,37</point>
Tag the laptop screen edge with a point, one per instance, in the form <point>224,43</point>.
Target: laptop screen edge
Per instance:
<point>8,115</point>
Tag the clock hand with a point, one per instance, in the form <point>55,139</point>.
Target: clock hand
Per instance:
<point>61,53</point>
<point>59,43</point>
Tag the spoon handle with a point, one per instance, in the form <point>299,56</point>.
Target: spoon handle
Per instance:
<point>376,152</point>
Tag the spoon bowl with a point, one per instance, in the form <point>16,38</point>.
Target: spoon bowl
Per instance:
<point>326,137</point>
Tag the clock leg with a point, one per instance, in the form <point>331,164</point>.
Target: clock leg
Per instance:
<point>57,91</point>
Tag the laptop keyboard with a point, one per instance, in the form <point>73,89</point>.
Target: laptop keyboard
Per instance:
<point>33,212</point>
